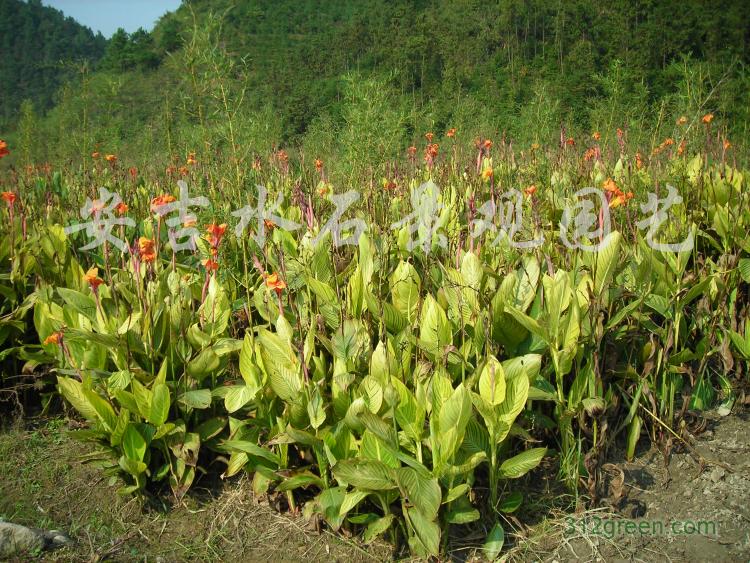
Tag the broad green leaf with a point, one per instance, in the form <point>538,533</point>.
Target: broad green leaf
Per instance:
<point>238,396</point>
<point>252,449</point>
<point>423,493</point>
<point>374,529</point>
<point>160,402</point>
<point>80,302</point>
<point>492,382</point>
<point>520,464</point>
<point>72,390</point>
<point>365,474</point>
<point>196,399</point>
<point>494,542</point>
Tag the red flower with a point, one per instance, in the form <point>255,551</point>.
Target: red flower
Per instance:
<point>451,132</point>
<point>276,283</point>
<point>93,279</point>
<point>146,249</point>
<point>8,197</point>
<point>215,234</point>
<point>3,149</point>
<point>210,265</point>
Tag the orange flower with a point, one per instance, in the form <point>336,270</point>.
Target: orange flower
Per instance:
<point>589,154</point>
<point>257,164</point>
<point>95,154</point>
<point>682,120</point>
<point>215,234</point>
<point>54,338</point>
<point>570,142</point>
<point>531,190</point>
<point>412,150</point>
<point>487,173</point>
<point>620,199</point>
<point>146,249</point>
<point>92,278</point>
<point>282,156</point>
<point>110,158</point>
<point>318,164</point>
<point>487,144</point>
<point>276,283</point>
<point>727,144</point>
<point>190,221</point>
<point>451,132</point>
<point>639,160</point>
<point>133,171</point>
<point>389,185</point>
<point>429,137</point>
<point>157,202</point>
<point>270,225</point>
<point>431,151</point>
<point>170,170</point>
<point>535,146</point>
<point>708,118</point>
<point>191,161</point>
<point>323,189</point>
<point>121,208</point>
<point>681,148</point>
<point>610,186</point>
<point>9,198</point>
<point>668,142</point>
<point>596,136</point>
<point>210,265</point>
<point>3,149</point>
<point>183,170</point>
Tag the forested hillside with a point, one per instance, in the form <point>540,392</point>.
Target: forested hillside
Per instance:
<point>294,72</point>
<point>39,49</point>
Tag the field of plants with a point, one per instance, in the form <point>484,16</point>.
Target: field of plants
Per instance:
<point>388,358</point>
<point>421,280</point>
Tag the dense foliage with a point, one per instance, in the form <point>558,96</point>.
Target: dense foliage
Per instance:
<point>39,47</point>
<point>401,384</point>
<point>521,68</point>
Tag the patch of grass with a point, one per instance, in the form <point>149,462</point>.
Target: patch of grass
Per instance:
<point>44,484</point>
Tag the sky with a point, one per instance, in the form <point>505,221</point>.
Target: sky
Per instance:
<point>107,15</point>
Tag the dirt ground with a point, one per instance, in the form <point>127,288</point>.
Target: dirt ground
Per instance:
<point>683,511</point>
<point>43,483</point>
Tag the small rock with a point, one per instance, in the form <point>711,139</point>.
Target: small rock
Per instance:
<point>717,474</point>
<point>688,493</point>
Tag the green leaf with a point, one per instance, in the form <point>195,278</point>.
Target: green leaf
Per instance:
<point>303,479</point>
<point>423,493</point>
<point>744,268</point>
<point>103,409</point>
<point>196,399</point>
<point>238,396</point>
<point>80,302</point>
<point>159,411</point>
<point>72,390</point>
<point>427,534</point>
<point>374,529</point>
<point>252,449</point>
<point>365,474</point>
<point>133,443</point>
<point>521,464</point>
<point>492,382</point>
<point>206,363</point>
<point>606,261</point>
<point>494,542</point>
<point>316,410</point>
<point>511,502</point>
